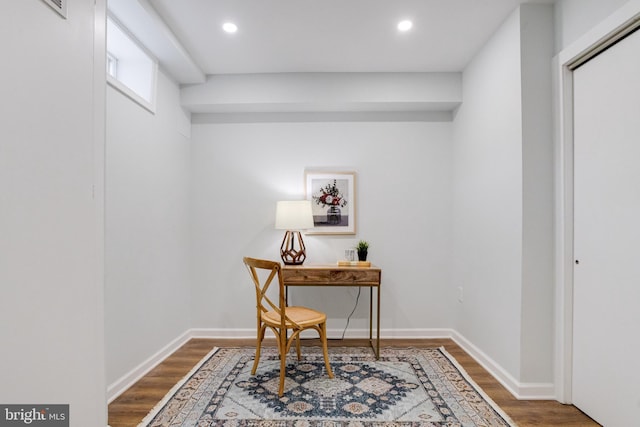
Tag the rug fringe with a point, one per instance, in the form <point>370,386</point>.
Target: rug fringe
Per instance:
<point>479,389</point>
<point>156,409</point>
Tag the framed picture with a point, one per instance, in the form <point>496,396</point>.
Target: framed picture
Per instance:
<point>333,201</point>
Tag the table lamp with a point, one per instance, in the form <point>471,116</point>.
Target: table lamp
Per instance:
<point>293,216</point>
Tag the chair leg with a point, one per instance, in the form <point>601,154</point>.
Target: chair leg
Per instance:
<point>282,344</point>
<point>298,346</point>
<point>325,350</point>
<point>258,345</point>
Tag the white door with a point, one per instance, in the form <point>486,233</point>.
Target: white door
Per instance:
<point>606,336</point>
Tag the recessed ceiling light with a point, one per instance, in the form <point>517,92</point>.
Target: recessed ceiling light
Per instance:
<point>405,25</point>
<point>230,27</point>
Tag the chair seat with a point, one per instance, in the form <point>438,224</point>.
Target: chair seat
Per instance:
<point>303,316</point>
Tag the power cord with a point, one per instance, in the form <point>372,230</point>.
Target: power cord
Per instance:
<point>352,311</point>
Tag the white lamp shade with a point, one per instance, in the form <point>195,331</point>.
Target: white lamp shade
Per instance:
<point>294,215</point>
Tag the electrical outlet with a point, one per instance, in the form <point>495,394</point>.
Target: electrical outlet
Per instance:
<point>460,294</point>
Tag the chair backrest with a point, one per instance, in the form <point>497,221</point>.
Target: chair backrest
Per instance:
<point>263,302</point>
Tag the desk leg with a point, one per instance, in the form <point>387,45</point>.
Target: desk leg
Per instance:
<point>370,314</point>
<point>376,347</point>
<point>378,325</point>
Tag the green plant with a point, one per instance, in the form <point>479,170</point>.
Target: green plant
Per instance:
<point>362,246</point>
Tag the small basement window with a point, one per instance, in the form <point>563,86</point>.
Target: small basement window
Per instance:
<point>130,68</point>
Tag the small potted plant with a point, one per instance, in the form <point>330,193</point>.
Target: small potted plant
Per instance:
<point>362,248</point>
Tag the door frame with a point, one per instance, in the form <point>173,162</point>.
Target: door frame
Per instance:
<point>621,23</point>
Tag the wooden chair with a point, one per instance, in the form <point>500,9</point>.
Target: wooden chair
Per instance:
<point>280,318</point>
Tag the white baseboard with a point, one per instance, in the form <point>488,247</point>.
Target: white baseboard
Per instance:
<point>121,385</point>
<point>521,391</point>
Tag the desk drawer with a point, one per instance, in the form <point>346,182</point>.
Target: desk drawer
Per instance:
<point>354,276</point>
<point>306,276</point>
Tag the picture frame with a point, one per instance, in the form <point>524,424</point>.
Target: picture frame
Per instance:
<point>333,201</point>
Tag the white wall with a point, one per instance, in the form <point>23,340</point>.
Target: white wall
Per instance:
<point>503,199</point>
<point>147,227</point>
<point>404,207</point>
<point>536,22</point>
<point>51,116</point>
<point>487,199</point>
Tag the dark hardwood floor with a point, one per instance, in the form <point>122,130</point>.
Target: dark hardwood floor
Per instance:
<point>134,404</point>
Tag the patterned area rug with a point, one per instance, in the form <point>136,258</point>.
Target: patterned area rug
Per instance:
<point>406,387</point>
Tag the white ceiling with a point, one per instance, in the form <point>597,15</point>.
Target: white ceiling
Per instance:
<point>315,35</point>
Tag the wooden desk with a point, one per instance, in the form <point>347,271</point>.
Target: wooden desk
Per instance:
<point>334,275</point>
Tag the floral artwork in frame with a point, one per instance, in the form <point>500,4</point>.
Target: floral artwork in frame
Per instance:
<point>333,201</point>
